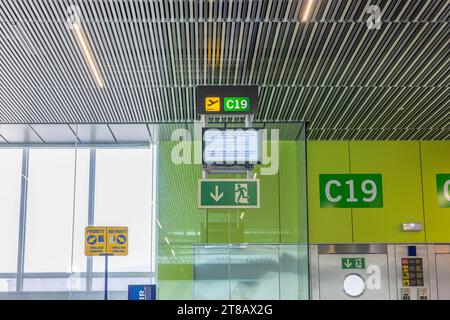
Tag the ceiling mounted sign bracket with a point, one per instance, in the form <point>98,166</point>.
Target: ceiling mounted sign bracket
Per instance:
<point>227,101</point>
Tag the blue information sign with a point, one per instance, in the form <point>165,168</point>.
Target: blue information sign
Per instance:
<point>142,292</point>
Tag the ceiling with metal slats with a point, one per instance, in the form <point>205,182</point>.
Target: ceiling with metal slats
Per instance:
<point>347,80</point>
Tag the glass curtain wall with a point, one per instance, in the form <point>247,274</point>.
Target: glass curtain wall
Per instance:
<point>49,194</point>
<point>10,189</point>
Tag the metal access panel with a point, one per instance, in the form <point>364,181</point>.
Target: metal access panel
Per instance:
<point>339,263</point>
<point>439,271</point>
<point>443,275</point>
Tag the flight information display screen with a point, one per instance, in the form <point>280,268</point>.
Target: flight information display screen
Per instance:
<point>231,146</point>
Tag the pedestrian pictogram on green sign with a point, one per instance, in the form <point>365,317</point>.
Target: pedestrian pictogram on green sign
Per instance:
<point>228,193</point>
<point>353,263</point>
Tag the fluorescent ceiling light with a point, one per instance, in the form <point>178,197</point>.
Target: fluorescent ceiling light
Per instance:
<point>308,9</point>
<point>80,36</point>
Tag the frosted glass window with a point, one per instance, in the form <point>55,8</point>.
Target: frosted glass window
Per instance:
<point>10,185</point>
<point>51,180</point>
<point>123,197</point>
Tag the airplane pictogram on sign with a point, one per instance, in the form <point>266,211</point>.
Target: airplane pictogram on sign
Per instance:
<point>212,104</point>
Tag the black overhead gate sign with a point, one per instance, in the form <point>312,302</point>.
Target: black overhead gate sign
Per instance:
<point>227,100</point>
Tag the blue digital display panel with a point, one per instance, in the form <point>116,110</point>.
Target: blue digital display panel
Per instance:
<point>142,292</point>
<point>412,251</point>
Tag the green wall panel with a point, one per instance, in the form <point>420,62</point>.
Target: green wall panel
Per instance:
<point>292,192</point>
<point>182,223</point>
<point>179,215</point>
<point>282,216</point>
<point>247,225</point>
<point>175,271</point>
<point>327,225</point>
<point>399,164</point>
<point>261,225</point>
<point>219,222</point>
<point>278,220</point>
<point>408,171</point>
<point>435,159</point>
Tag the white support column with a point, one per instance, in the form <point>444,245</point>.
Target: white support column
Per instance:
<point>91,199</point>
<point>204,121</point>
<point>248,120</point>
<point>248,124</point>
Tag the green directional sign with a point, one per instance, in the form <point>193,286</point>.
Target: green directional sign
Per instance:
<point>228,193</point>
<point>236,104</point>
<point>443,189</point>
<point>351,190</point>
<point>353,263</point>
<point>227,100</point>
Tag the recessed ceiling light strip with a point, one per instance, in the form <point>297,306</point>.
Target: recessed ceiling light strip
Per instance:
<point>81,38</point>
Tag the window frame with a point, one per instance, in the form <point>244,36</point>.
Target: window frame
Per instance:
<point>87,274</point>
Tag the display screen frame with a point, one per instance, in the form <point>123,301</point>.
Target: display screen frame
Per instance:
<point>224,163</point>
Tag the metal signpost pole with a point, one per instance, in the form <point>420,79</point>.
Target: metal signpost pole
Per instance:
<point>248,124</point>
<point>106,277</point>
<point>98,242</point>
<point>204,121</point>
<point>248,120</point>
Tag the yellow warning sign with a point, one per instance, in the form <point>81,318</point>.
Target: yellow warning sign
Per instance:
<point>95,241</point>
<point>212,104</point>
<point>117,241</point>
<point>106,240</point>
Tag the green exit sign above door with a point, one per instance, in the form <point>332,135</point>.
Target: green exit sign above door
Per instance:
<point>353,263</point>
<point>351,190</point>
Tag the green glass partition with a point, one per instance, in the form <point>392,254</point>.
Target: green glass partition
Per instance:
<point>271,240</point>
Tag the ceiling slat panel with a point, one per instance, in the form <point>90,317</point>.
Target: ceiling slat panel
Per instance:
<point>349,81</point>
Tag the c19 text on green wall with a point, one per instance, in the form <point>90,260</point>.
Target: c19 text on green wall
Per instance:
<point>351,191</point>
<point>443,189</point>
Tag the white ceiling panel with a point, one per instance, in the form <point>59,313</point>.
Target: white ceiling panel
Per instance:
<point>93,133</point>
<point>55,133</point>
<point>130,133</point>
<point>19,134</point>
